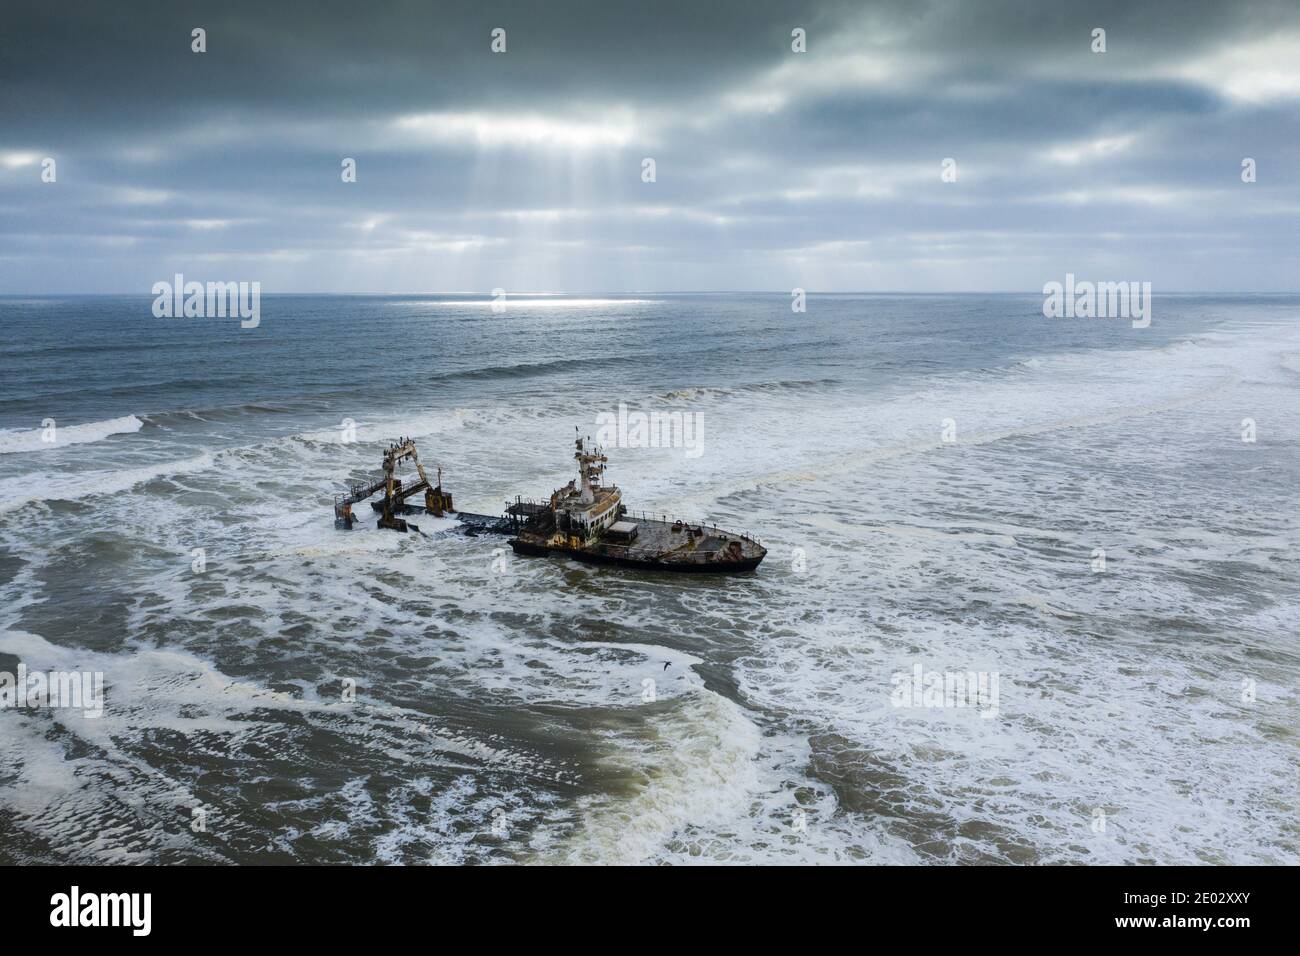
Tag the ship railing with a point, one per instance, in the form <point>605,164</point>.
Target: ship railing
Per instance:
<point>520,500</point>
<point>359,491</point>
<point>673,519</point>
<point>643,515</point>
<point>689,556</point>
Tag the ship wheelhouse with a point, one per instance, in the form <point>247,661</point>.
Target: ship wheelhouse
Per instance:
<point>586,520</point>
<point>587,509</point>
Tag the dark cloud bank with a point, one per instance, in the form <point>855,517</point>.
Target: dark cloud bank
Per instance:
<point>774,169</point>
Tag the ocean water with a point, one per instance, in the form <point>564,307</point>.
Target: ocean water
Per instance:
<point>547,711</point>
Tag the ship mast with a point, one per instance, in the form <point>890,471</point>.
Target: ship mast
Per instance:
<point>591,466</point>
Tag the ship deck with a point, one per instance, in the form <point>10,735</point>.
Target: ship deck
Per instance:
<point>658,541</point>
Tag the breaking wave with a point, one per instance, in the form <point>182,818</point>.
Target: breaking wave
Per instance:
<point>42,439</point>
<point>23,490</point>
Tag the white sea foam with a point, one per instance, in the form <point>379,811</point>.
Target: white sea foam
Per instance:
<point>22,490</point>
<point>1119,691</point>
<point>433,423</point>
<point>45,439</point>
<point>110,805</point>
<point>697,770</point>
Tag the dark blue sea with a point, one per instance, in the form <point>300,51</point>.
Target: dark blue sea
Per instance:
<point>1104,518</point>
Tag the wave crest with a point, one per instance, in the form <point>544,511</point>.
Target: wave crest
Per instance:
<point>15,441</point>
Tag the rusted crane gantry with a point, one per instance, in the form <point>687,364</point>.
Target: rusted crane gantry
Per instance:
<point>436,501</point>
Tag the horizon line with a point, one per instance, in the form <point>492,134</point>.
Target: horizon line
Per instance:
<point>590,294</point>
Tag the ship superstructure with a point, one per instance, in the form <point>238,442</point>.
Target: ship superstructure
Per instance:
<point>586,510</point>
<point>586,520</point>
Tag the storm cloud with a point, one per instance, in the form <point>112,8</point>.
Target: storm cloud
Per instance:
<point>774,169</point>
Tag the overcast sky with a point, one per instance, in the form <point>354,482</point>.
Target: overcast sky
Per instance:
<point>523,170</point>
